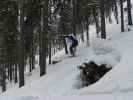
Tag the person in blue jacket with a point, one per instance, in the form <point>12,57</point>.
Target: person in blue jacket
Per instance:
<point>72,42</point>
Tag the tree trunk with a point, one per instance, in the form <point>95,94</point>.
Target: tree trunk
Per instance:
<point>21,45</point>
<point>95,15</point>
<point>103,27</point>
<point>129,12</point>
<point>82,31</point>
<point>116,11</point>
<point>50,52</point>
<point>87,29</point>
<point>74,17</point>
<point>43,38</point>
<point>122,16</point>
<point>32,58</point>
<point>15,73</point>
<point>3,77</point>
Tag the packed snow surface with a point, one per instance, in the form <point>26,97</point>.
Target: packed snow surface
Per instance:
<point>61,78</point>
<point>60,82</point>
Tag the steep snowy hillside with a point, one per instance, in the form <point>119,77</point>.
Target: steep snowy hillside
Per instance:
<point>61,80</point>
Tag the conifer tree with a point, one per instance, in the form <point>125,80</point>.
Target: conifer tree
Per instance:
<point>129,12</point>
<point>122,16</point>
<point>21,43</point>
<point>43,38</point>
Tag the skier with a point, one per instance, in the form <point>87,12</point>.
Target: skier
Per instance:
<point>72,42</point>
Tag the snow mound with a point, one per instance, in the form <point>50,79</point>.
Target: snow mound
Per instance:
<point>102,47</point>
<point>105,52</point>
<point>111,59</point>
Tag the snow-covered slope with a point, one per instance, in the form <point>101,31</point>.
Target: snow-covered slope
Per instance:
<point>61,79</point>
<point>60,82</point>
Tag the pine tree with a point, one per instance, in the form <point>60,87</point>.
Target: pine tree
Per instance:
<point>31,27</point>
<point>43,38</point>
<point>74,16</point>
<point>21,43</point>
<point>8,31</point>
<point>122,16</point>
<point>116,11</point>
<point>65,24</point>
<point>103,25</point>
<point>129,12</point>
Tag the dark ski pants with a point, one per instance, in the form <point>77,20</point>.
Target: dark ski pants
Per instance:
<point>73,49</point>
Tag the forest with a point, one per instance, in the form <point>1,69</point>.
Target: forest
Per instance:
<point>35,27</point>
